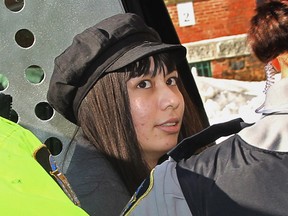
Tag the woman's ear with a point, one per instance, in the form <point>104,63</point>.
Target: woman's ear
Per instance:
<point>283,62</point>
<point>276,64</point>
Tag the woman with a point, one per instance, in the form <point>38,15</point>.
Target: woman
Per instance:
<point>120,84</point>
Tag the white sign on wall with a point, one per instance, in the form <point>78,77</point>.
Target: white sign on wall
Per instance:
<point>186,14</point>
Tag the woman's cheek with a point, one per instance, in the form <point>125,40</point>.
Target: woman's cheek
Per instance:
<point>140,107</point>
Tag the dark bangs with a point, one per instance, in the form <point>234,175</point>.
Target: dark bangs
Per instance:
<point>162,63</point>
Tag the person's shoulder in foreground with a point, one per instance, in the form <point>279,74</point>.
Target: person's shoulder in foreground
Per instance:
<point>26,188</point>
<point>161,193</point>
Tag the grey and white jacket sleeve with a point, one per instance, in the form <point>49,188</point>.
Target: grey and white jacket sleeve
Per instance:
<point>159,195</point>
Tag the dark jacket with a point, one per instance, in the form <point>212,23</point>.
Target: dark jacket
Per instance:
<point>96,184</point>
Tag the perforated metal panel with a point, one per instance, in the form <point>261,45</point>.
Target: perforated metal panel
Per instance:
<point>32,34</point>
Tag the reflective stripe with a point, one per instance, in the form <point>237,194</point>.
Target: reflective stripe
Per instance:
<point>142,191</point>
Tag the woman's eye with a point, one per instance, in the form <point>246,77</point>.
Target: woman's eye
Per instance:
<point>144,84</point>
<point>172,81</point>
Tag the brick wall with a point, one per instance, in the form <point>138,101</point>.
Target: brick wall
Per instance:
<point>214,18</point>
<point>246,68</point>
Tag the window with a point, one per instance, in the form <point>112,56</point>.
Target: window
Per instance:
<point>203,68</point>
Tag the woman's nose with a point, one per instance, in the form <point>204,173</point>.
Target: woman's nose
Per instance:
<point>170,97</point>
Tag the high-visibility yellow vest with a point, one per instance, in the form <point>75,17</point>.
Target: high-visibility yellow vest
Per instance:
<point>25,186</point>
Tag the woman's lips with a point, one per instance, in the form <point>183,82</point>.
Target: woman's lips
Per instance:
<point>170,126</point>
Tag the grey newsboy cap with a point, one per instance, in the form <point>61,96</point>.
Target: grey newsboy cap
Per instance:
<point>105,47</point>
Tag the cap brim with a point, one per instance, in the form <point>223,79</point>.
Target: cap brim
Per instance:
<point>145,49</point>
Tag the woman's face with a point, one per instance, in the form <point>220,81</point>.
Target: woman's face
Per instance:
<point>157,108</point>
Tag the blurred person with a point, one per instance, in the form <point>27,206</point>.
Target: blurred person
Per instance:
<point>247,173</point>
<point>30,182</point>
<point>120,84</point>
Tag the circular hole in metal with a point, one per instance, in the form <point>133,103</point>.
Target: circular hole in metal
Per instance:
<point>3,82</point>
<point>34,74</point>
<point>54,145</point>
<point>14,5</point>
<point>14,116</point>
<point>24,38</point>
<point>44,111</point>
